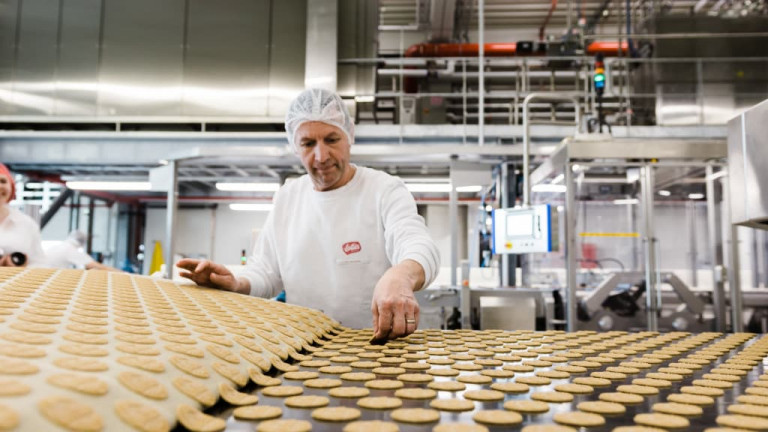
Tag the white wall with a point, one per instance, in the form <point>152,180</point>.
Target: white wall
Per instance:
<point>218,235</point>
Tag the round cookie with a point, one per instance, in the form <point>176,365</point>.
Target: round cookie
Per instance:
<point>548,428</point>
<point>701,391</point>
<point>257,412</point>
<point>336,414</point>
<point>415,415</point>
<point>510,387</point>
<point>284,425</point>
<point>484,395</point>
<point>579,419</point>
<point>533,380</point>
<point>459,427</point>
<point>592,381</point>
<point>498,418</point>
<point>349,392</point>
<point>384,384</point>
<point>371,426</point>
<point>748,410</point>
<point>574,388</point>
<point>322,383</point>
<point>282,391</point>
<point>638,389</point>
<point>307,401</point>
<point>450,386</point>
<point>452,405</point>
<point>690,399</point>
<point>415,393</point>
<point>664,421</point>
<point>622,398</point>
<point>380,403</point>
<point>526,406</point>
<point>552,396</point>
<point>602,407</point>
<point>677,409</point>
<point>742,422</point>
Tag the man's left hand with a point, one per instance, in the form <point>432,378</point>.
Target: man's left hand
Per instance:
<point>394,307</point>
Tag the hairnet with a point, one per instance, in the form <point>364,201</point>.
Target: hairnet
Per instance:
<point>78,237</point>
<point>5,172</point>
<point>318,105</point>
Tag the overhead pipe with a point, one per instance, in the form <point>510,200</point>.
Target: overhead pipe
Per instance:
<point>543,27</point>
<point>480,76</point>
<point>607,48</point>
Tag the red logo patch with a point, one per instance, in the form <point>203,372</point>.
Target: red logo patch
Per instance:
<point>351,247</point>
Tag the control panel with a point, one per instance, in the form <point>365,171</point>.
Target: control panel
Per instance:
<point>525,230</point>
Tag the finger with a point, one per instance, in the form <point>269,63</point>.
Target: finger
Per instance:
<point>411,323</point>
<point>398,319</point>
<point>186,263</point>
<point>375,313</point>
<point>385,320</point>
<point>201,266</point>
<point>187,275</point>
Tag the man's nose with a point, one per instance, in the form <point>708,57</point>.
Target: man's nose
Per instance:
<point>321,152</point>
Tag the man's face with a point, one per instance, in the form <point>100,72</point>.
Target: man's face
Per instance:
<point>5,189</point>
<point>324,152</point>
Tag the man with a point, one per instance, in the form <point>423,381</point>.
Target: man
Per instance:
<point>20,243</point>
<point>69,254</point>
<point>343,239</point>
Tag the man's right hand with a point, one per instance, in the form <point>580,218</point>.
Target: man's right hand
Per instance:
<point>209,274</point>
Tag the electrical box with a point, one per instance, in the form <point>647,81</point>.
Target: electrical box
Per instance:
<point>525,230</point>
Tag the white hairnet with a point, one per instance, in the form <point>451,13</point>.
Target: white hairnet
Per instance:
<point>78,237</point>
<point>318,105</point>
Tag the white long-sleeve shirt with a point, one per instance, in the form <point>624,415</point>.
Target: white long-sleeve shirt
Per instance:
<point>67,254</point>
<point>19,233</point>
<point>329,249</point>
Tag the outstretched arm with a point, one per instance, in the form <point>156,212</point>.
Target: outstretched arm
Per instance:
<point>394,308</point>
<point>209,274</point>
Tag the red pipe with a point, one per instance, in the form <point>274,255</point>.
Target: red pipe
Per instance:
<point>460,50</point>
<point>608,48</point>
<point>546,20</point>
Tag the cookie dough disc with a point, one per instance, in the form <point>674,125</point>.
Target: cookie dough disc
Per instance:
<point>234,397</point>
<point>552,396</point>
<point>548,428</point>
<point>418,378</point>
<point>638,389</point>
<point>336,414</point>
<point>757,391</point>
<point>602,407</point>
<point>69,413</point>
<point>300,375</point>
<point>143,384</point>
<point>526,406</point>
<point>85,384</point>
<point>637,429</point>
<point>322,383</point>
<point>306,401</point>
<point>677,409</point>
<point>651,382</point>
<point>380,403</point>
<point>574,388</point>
<point>371,426</point>
<point>724,385</point>
<point>197,421</point>
<point>498,418</point>
<point>263,380</point>
<point>335,370</point>
<point>690,399</point>
<point>445,372</point>
<point>665,421</point>
<point>315,363</point>
<point>571,369</point>
<point>533,380</point>
<point>475,379</point>
<point>357,376</point>
<point>282,391</point>
<point>742,422</point>
<point>592,381</point>
<point>579,419</point>
<point>484,395</point>
<point>452,405</point>
<point>415,415</point>
<point>701,391</point>
<point>724,371</point>
<point>141,417</point>
<point>349,392</point>
<point>510,387</point>
<point>553,374</point>
<point>449,386</point>
<point>623,370</point>
<point>416,393</point>
<point>497,373</point>
<point>749,410</point>
<point>675,371</point>
<point>384,384</point>
<point>613,376</point>
<point>459,427</point>
<point>14,388</point>
<point>284,425</point>
<point>753,400</point>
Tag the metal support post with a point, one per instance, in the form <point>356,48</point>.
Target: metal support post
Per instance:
<point>651,281</point>
<point>453,216</point>
<point>570,248</point>
<point>481,72</point>
<point>716,256</point>
<point>170,221</point>
<point>508,195</point>
<point>91,211</point>
<point>734,282</point>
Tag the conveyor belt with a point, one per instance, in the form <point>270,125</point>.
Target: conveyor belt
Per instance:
<point>128,340</point>
<point>543,341</point>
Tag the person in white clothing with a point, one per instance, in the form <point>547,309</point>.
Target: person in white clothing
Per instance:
<point>69,254</point>
<point>343,239</point>
<point>20,242</point>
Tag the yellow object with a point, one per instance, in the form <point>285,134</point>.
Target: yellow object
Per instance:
<point>157,258</point>
<point>609,234</point>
